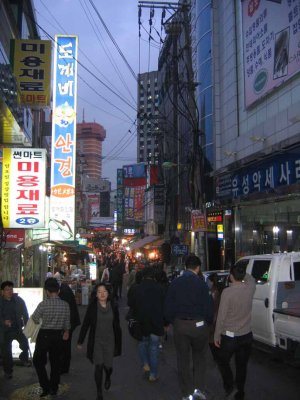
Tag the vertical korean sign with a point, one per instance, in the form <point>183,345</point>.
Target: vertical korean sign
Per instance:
<point>31,61</point>
<point>63,157</point>
<point>23,188</point>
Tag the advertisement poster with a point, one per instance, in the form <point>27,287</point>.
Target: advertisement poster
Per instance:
<point>271,36</point>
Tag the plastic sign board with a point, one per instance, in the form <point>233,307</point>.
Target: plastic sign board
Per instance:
<point>180,249</point>
<point>198,221</point>
<point>271,36</point>
<point>31,60</point>
<point>63,157</point>
<point>23,188</point>
<point>220,231</point>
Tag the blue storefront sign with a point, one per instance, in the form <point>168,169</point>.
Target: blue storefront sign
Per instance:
<point>180,249</point>
<point>279,171</point>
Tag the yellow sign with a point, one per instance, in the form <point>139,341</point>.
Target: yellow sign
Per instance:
<point>220,228</point>
<point>31,60</point>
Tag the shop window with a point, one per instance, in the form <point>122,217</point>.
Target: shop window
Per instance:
<point>296,266</point>
<point>260,271</point>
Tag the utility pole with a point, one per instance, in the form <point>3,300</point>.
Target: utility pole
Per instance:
<point>179,24</point>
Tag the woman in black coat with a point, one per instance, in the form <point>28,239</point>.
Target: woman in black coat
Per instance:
<point>105,336</point>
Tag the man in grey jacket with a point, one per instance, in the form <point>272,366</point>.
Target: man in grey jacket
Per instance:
<point>233,330</point>
<point>13,315</point>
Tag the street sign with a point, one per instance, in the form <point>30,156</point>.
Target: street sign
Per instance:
<point>180,249</point>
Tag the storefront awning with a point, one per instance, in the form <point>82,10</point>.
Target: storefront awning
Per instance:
<point>143,242</point>
<point>155,244</point>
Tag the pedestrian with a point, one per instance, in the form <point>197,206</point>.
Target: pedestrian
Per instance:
<point>55,316</point>
<point>189,307</point>
<point>14,316</point>
<point>233,334</point>
<point>146,301</point>
<point>212,283</point>
<point>66,294</point>
<point>105,278</point>
<point>116,276</point>
<point>105,335</point>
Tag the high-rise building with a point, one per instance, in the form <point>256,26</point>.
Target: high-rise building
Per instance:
<point>90,136</point>
<point>147,132</point>
<point>248,96</point>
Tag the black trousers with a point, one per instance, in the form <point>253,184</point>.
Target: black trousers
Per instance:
<point>191,343</point>
<point>240,347</point>
<point>9,336</point>
<point>66,354</point>
<point>49,342</point>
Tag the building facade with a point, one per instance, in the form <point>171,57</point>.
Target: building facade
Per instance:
<point>255,86</point>
<point>90,136</point>
<point>147,119</point>
<point>21,257</point>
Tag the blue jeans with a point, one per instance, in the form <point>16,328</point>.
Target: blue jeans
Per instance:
<point>149,350</point>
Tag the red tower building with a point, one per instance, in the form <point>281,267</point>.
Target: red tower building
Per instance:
<point>90,136</point>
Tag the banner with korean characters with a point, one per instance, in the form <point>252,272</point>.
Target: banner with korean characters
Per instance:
<point>271,36</point>
<point>31,61</point>
<point>63,157</point>
<point>23,188</point>
<point>198,221</point>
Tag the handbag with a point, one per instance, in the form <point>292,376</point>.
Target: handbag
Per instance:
<point>134,327</point>
<point>31,329</point>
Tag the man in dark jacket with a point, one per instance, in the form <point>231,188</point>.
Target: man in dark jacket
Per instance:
<point>147,303</point>
<point>13,315</point>
<point>189,307</point>
<point>116,276</point>
<point>66,294</point>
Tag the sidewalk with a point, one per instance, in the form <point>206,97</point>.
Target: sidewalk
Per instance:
<point>128,382</point>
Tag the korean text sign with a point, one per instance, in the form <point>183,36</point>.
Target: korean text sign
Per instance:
<point>198,221</point>
<point>23,188</point>
<point>271,34</point>
<point>31,60</point>
<point>63,157</point>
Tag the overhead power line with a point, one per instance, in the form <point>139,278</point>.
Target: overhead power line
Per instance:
<point>113,40</point>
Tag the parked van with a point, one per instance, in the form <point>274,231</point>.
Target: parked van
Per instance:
<point>276,302</point>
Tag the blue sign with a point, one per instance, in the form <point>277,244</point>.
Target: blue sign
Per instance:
<point>180,249</point>
<point>134,171</point>
<point>279,171</point>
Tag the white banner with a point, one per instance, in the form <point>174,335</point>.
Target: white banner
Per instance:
<point>23,188</point>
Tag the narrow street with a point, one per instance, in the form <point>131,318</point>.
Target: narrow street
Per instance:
<point>267,379</point>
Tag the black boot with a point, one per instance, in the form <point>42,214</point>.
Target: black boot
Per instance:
<point>107,382</point>
<point>98,380</point>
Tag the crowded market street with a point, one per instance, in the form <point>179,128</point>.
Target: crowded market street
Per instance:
<point>267,379</point>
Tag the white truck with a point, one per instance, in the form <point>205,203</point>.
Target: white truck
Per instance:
<point>276,302</point>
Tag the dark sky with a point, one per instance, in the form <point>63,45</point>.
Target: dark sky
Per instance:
<point>98,54</point>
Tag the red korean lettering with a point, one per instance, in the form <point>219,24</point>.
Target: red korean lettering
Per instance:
<point>28,181</point>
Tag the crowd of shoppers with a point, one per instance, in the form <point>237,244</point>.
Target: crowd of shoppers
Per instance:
<point>200,314</point>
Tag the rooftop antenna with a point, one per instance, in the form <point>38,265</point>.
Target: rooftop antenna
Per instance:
<point>83,116</point>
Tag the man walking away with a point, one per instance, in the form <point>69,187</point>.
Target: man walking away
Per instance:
<point>189,307</point>
<point>55,315</point>
<point>233,329</point>
<point>13,315</point>
<point>116,276</point>
<point>147,303</point>
<point>66,294</point>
